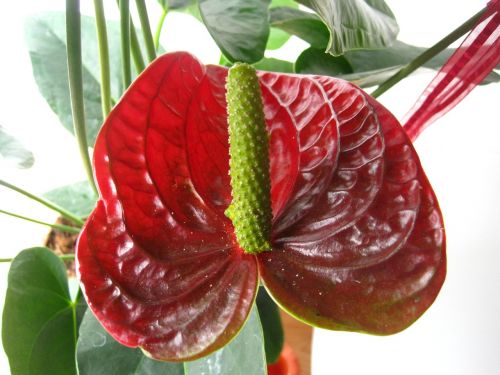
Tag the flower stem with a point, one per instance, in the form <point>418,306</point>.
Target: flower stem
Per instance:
<point>125,42</point>
<point>428,54</point>
<point>146,29</point>
<point>63,228</point>
<point>74,52</point>
<point>159,27</point>
<point>102,39</point>
<point>62,257</point>
<point>71,216</point>
<point>135,47</point>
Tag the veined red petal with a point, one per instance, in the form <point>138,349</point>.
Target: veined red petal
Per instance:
<point>369,256</point>
<point>158,260</point>
<point>476,57</point>
<point>158,264</point>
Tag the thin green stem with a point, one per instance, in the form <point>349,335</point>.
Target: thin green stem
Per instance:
<point>62,257</point>
<point>135,47</point>
<point>69,215</point>
<point>63,228</point>
<point>74,52</point>
<point>159,27</point>
<point>125,42</point>
<point>428,54</point>
<point>146,29</point>
<point>102,39</point>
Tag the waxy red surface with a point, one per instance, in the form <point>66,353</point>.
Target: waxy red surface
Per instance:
<point>358,239</point>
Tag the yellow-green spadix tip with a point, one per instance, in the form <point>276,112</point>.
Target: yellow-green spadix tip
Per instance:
<point>250,210</point>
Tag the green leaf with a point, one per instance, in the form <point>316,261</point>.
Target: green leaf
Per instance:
<point>277,37</point>
<point>99,353</point>
<point>176,4</point>
<point>316,61</point>
<point>267,64</point>
<point>370,67</point>
<point>48,58</point>
<point>271,325</point>
<point>239,27</point>
<point>225,62</point>
<point>184,6</point>
<point>284,3</point>
<point>397,55</point>
<point>46,39</point>
<point>39,329</point>
<point>274,65</point>
<point>13,152</point>
<point>370,78</point>
<point>304,25</point>
<point>244,355</point>
<point>355,24</point>
<point>78,198</point>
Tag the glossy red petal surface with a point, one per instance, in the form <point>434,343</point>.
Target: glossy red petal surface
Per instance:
<point>158,259</point>
<point>158,264</point>
<point>369,256</point>
<point>358,236</point>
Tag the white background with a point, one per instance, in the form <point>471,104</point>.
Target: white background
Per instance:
<point>460,334</point>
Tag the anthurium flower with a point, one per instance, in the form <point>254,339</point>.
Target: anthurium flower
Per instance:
<point>357,239</point>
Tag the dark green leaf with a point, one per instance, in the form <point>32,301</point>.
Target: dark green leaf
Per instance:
<point>80,308</point>
<point>271,325</point>
<point>78,198</point>
<point>39,319</point>
<point>13,151</point>
<point>304,25</point>
<point>355,24</point>
<point>244,355</point>
<point>274,65</point>
<point>397,55</point>
<point>267,64</point>
<point>239,27</point>
<point>98,353</point>
<point>316,61</point>
<point>371,77</point>
<point>370,67</point>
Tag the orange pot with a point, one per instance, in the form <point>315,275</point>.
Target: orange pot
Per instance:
<point>287,363</point>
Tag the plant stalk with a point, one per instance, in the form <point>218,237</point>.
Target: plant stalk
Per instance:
<point>125,42</point>
<point>428,54</point>
<point>71,216</point>
<point>63,228</point>
<point>135,48</point>
<point>102,39</point>
<point>159,27</point>
<point>146,29</point>
<point>74,52</point>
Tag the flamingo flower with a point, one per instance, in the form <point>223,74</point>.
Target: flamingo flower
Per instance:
<point>356,241</point>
